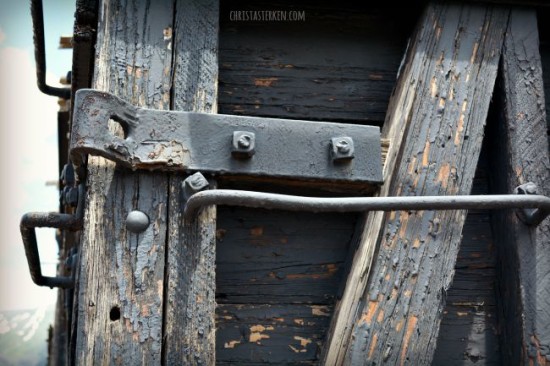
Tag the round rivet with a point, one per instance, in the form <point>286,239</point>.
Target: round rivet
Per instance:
<point>137,221</point>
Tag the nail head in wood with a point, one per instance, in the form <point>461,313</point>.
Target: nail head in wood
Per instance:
<point>137,221</point>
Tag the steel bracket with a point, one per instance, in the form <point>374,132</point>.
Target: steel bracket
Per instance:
<point>223,144</point>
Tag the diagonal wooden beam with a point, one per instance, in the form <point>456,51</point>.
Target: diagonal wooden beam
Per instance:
<point>120,307</point>
<point>436,122</point>
<point>521,154</point>
<point>191,256</point>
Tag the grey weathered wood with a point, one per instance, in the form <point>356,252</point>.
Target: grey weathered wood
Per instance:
<point>190,288</point>
<point>441,102</point>
<point>120,297</point>
<point>521,154</point>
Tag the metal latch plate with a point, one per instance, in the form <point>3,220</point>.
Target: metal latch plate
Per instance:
<point>171,140</point>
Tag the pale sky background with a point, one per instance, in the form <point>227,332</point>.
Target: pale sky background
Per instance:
<point>28,144</point>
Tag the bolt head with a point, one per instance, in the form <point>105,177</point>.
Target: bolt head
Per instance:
<point>71,196</point>
<point>527,188</point>
<point>67,175</point>
<point>243,146</point>
<point>193,184</point>
<point>342,149</point>
<point>137,221</point>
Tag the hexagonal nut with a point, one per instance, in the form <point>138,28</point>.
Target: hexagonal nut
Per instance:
<point>193,184</point>
<point>342,149</point>
<point>244,144</point>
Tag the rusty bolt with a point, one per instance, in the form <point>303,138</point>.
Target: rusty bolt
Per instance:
<point>243,144</point>
<point>342,149</point>
<point>529,216</point>
<point>193,184</point>
<point>137,221</point>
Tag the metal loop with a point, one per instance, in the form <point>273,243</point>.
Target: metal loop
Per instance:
<point>30,221</point>
<point>37,15</point>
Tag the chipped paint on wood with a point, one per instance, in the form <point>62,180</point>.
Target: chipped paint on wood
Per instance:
<point>428,268</point>
<point>521,155</point>
<point>120,297</point>
<point>189,325</point>
<point>266,82</point>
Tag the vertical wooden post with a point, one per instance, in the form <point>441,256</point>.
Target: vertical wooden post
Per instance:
<point>190,293</point>
<point>440,105</point>
<point>120,296</point>
<point>521,152</point>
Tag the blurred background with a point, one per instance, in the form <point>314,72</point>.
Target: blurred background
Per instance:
<point>28,173</point>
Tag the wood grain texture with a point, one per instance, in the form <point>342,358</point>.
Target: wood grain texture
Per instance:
<point>470,327</point>
<point>120,299</point>
<point>278,274</point>
<point>522,156</point>
<point>442,101</point>
<point>543,16</point>
<point>189,325</point>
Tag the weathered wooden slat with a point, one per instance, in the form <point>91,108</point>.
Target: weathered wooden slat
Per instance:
<point>280,271</point>
<point>521,155</point>
<point>263,334</point>
<point>191,247</point>
<point>337,65</point>
<point>469,333</point>
<point>441,103</point>
<point>265,258</point>
<point>120,300</point>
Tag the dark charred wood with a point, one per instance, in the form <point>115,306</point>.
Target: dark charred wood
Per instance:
<point>469,333</point>
<point>521,155</point>
<point>340,64</point>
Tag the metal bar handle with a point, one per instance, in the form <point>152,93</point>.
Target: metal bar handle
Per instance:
<point>252,199</point>
<point>37,15</point>
<point>30,221</point>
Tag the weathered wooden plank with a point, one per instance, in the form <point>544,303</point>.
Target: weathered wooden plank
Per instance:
<point>280,271</point>
<point>263,334</point>
<point>469,333</point>
<point>120,299</point>
<point>190,290</point>
<point>543,16</point>
<point>521,156</point>
<point>265,258</point>
<point>441,103</point>
<point>337,65</point>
